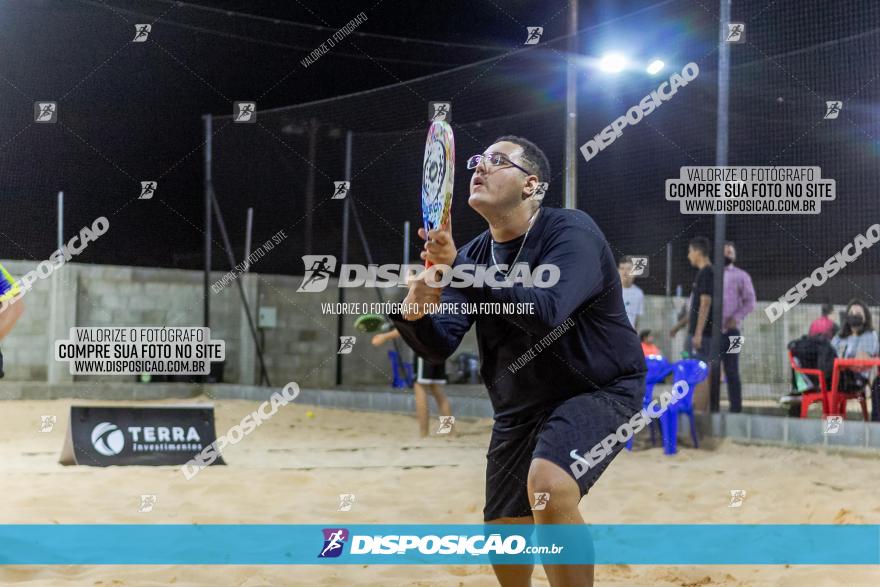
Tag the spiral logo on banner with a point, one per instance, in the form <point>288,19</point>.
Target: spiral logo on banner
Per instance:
<point>437,175</point>
<point>108,439</point>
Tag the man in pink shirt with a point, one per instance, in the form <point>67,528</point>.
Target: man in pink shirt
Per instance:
<point>739,301</point>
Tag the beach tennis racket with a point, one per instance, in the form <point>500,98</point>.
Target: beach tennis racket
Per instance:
<point>370,323</point>
<point>9,288</point>
<point>437,176</point>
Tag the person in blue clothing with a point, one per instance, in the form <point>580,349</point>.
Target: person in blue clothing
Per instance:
<point>550,398</point>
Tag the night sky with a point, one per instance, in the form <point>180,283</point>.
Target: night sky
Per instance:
<point>129,112</point>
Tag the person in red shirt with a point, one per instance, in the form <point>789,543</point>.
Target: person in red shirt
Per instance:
<point>824,326</point>
<point>648,346</point>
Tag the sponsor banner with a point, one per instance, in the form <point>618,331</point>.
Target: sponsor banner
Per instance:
<point>251,544</point>
<point>104,436</point>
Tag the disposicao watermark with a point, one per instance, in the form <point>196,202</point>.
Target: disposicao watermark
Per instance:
<point>242,267</point>
<point>750,190</point>
<point>627,430</point>
<point>325,47</point>
<point>539,346</point>
<point>57,259</point>
<point>319,269</point>
<point>248,424</point>
<point>824,272</point>
<point>635,114</point>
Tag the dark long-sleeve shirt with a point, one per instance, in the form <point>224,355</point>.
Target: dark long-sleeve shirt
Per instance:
<point>597,347</point>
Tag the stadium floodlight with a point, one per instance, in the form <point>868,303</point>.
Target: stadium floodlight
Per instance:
<point>655,67</point>
<point>612,62</point>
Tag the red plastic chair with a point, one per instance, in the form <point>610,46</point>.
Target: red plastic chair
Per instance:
<point>814,396</point>
<point>839,398</point>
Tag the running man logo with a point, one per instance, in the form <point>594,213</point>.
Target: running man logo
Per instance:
<point>346,345</point>
<point>735,344</point>
<point>47,423</point>
<point>245,112</point>
<point>346,501</point>
<point>833,424</point>
<point>736,32</point>
<point>46,112</point>
<point>832,109</point>
<point>340,189</point>
<point>440,111</point>
<point>533,34</point>
<point>319,268</point>
<point>148,188</point>
<point>108,439</point>
<point>141,32</point>
<point>541,501</point>
<point>541,190</point>
<point>446,424</point>
<point>147,503</point>
<point>334,542</point>
<point>639,266</point>
<point>737,497</point>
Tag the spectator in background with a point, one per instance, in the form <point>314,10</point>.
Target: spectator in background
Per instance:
<point>633,296</point>
<point>858,340</point>
<point>823,325</point>
<point>699,318</point>
<point>648,346</point>
<point>739,301</point>
<point>429,378</point>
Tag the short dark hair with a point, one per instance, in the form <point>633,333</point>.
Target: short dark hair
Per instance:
<point>624,259</point>
<point>644,334</point>
<point>700,243</point>
<point>827,308</point>
<point>534,158</point>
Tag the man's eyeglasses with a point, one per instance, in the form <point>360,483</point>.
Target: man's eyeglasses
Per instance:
<point>494,160</point>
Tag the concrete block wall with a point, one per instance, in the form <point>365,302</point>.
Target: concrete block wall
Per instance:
<point>303,346</point>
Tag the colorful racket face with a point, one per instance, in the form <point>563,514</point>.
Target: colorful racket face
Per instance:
<point>438,175</point>
<point>8,286</point>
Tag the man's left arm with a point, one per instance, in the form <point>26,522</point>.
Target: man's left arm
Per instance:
<point>747,298</point>
<point>702,318</point>
<point>578,258</point>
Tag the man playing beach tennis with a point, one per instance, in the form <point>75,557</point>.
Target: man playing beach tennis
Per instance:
<point>550,398</point>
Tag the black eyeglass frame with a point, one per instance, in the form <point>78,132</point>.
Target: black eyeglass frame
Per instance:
<point>474,160</point>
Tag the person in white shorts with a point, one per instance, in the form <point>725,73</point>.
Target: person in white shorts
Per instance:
<point>430,377</point>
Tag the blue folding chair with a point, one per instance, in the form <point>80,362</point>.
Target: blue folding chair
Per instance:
<point>692,372</point>
<point>398,367</point>
<point>658,370</point>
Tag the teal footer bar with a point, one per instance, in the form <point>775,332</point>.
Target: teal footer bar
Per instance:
<point>251,544</point>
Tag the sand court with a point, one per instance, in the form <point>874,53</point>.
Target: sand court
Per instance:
<point>292,469</point>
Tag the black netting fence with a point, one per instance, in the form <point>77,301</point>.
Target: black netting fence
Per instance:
<point>793,60</point>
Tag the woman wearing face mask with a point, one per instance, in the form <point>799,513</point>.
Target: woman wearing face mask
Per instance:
<point>857,340</point>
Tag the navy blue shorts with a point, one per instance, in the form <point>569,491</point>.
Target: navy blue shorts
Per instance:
<point>579,423</point>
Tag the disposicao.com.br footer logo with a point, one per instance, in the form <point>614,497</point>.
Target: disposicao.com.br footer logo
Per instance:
<point>335,540</point>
